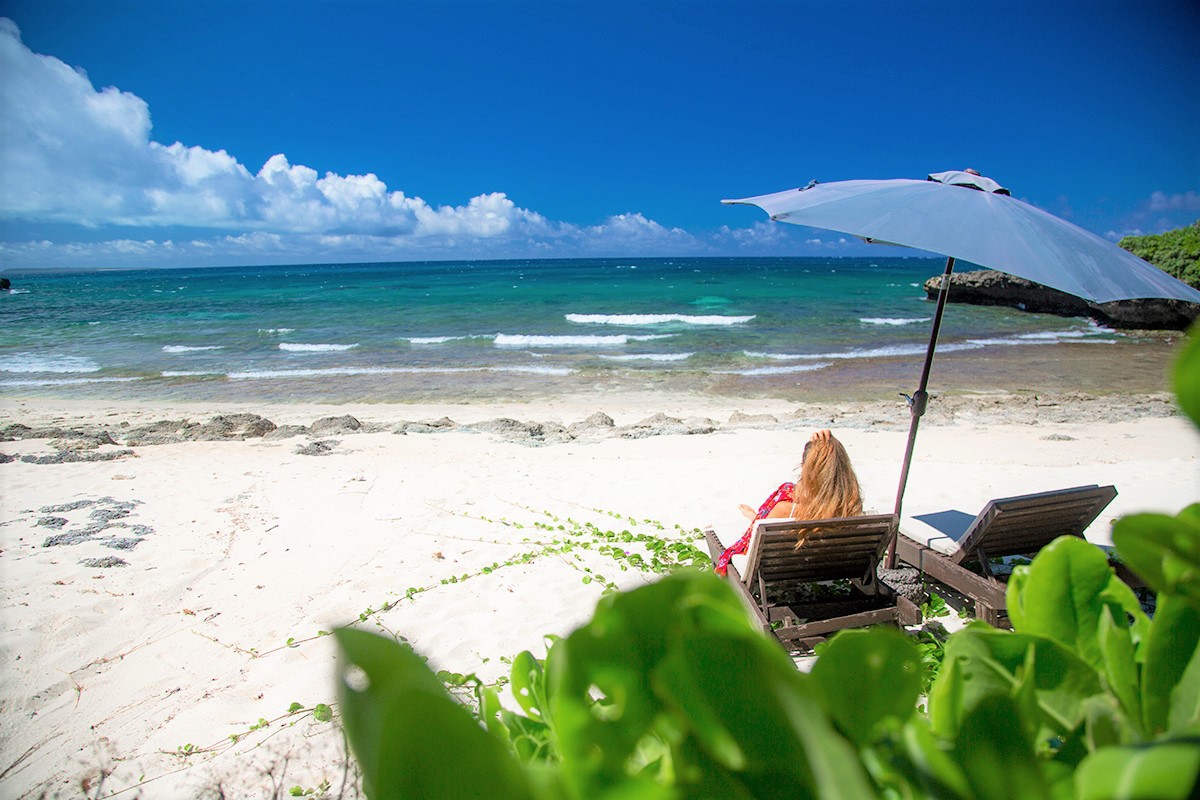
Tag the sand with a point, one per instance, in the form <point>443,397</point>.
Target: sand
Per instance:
<point>159,654</point>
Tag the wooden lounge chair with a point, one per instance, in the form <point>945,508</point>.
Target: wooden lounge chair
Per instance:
<point>834,549</point>
<point>1011,526</point>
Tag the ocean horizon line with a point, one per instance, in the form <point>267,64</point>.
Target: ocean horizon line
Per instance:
<point>59,270</point>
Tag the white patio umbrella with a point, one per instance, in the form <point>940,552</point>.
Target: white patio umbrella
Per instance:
<point>963,215</point>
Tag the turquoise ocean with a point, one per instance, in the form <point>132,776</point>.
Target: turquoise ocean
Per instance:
<point>395,331</point>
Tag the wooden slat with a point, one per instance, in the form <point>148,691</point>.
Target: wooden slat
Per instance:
<point>1007,527</point>
<point>846,548</point>
<point>1040,518</point>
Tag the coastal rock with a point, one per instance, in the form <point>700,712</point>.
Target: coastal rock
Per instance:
<point>596,423</point>
<point>285,432</point>
<point>426,426</point>
<point>67,457</point>
<point>527,432</point>
<point>700,425</point>
<point>161,432</point>
<point>987,287</point>
<point>662,425</point>
<point>321,448</point>
<point>82,441</point>
<point>992,288</point>
<point>328,425</point>
<point>104,563</point>
<point>235,426</point>
<point>14,432</point>
<point>1152,314</point>
<point>740,418</point>
<point>6,458</point>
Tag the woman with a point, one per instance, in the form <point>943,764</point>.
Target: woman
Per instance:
<point>827,489</point>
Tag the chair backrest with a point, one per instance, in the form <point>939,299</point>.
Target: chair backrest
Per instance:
<point>1023,525</point>
<point>833,549</point>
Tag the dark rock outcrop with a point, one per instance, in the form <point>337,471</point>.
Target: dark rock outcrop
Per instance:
<point>328,425</point>
<point>1152,314</point>
<point>991,288</point>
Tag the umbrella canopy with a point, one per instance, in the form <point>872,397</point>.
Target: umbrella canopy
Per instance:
<point>972,218</point>
<point>963,215</point>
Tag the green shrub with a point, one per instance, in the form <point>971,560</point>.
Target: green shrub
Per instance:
<point>1175,252</point>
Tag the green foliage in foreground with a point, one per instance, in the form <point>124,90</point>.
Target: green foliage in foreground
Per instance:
<point>1175,252</point>
<point>670,692</point>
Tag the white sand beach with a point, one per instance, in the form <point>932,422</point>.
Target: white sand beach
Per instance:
<point>172,674</point>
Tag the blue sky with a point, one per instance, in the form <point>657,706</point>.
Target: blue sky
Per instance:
<point>186,133</point>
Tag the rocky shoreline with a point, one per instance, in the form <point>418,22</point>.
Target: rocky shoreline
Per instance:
<point>991,288</point>
<point>91,441</point>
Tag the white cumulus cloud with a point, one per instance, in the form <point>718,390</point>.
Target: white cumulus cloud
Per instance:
<point>1180,201</point>
<point>73,153</point>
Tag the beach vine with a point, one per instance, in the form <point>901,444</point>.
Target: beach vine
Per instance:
<point>640,544</point>
<point>658,551</point>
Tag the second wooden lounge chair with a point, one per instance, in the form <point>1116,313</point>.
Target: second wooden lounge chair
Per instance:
<point>774,575</point>
<point>1010,526</point>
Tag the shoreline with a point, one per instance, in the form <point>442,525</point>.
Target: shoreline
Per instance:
<point>1130,365</point>
<point>163,605</point>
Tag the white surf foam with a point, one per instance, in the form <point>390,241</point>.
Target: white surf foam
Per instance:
<point>315,348</point>
<point>777,370</point>
<point>651,357</point>
<point>30,362</point>
<point>183,348</point>
<point>352,371</point>
<point>276,330</point>
<point>522,340</point>
<point>657,319</point>
<point>1038,338</point>
<point>66,381</point>
<point>439,339</point>
<point>893,320</point>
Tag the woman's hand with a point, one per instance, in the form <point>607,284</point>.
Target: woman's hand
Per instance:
<point>747,511</point>
<point>825,435</point>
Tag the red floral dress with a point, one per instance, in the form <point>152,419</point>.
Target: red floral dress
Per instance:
<point>786,493</point>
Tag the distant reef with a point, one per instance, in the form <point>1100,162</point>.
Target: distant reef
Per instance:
<point>1175,252</point>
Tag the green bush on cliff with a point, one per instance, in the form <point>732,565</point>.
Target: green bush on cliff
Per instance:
<point>1175,252</point>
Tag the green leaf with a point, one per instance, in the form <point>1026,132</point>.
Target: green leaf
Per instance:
<point>1187,375</point>
<point>322,713</point>
<point>529,686</point>
<point>1168,652</point>
<point>1163,550</point>
<point>1063,593</point>
<point>410,738</point>
<point>678,661</point>
<point>993,751</point>
<point>294,707</point>
<point>868,677</point>
<point>931,766</point>
<point>1120,672</point>
<point>981,661</point>
<point>1184,715</point>
<point>1163,771</point>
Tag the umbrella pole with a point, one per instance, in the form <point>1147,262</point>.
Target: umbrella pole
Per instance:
<point>917,404</point>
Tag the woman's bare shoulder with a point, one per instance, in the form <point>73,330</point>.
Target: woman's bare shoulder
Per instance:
<point>782,509</point>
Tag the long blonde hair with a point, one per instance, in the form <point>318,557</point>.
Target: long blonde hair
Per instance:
<point>827,487</point>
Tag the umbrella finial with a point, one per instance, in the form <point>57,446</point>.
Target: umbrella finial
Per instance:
<point>969,178</point>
